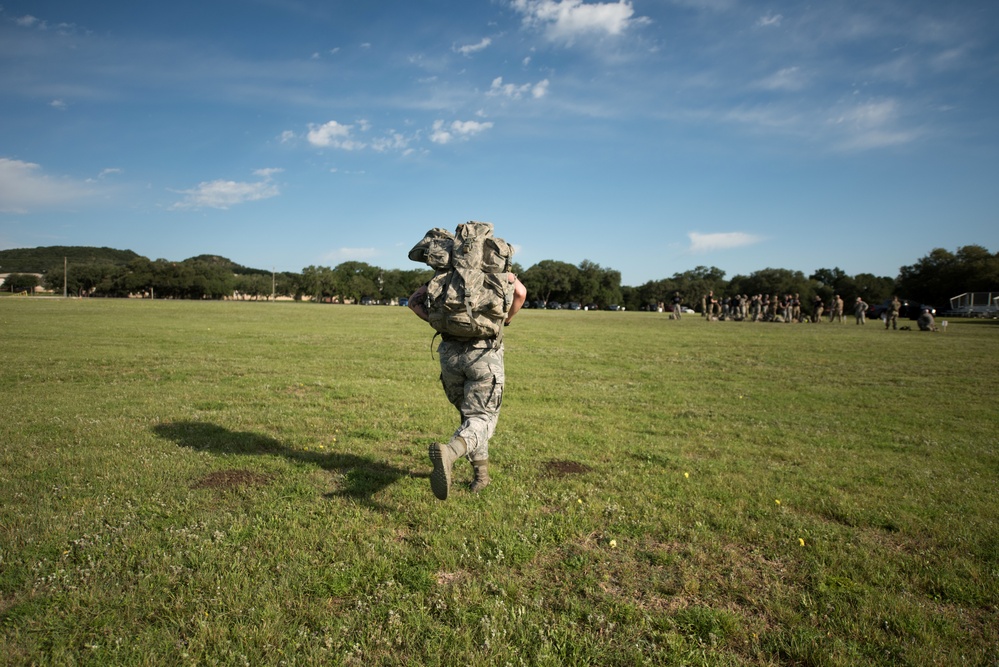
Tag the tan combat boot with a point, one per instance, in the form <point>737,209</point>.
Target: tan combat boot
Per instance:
<point>443,457</point>
<point>481,476</point>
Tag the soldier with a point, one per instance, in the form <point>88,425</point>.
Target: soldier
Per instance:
<point>891,315</point>
<point>837,310</point>
<point>925,321</point>
<point>860,310</point>
<point>677,305</point>
<point>818,306</point>
<point>473,376</point>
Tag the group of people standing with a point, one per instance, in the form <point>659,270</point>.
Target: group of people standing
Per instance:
<point>787,308</point>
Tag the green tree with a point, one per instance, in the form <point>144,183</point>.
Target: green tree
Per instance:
<point>21,282</point>
<point>610,287</point>
<point>397,283</point>
<point>139,277</point>
<point>587,283</point>
<point>550,280</point>
<point>697,282</point>
<point>356,280</point>
<point>772,281</point>
<point>318,283</point>
<point>941,275</point>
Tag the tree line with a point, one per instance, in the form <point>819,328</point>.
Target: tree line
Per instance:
<point>104,272</point>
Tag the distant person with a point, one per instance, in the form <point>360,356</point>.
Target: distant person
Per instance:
<point>891,314</point>
<point>925,321</point>
<point>860,311</point>
<point>677,305</point>
<point>836,311</point>
<point>817,307</point>
<point>472,370</point>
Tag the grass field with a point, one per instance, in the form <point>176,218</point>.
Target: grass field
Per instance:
<point>247,483</point>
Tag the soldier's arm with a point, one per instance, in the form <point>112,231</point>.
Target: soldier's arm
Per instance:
<point>519,297</point>
<point>417,303</point>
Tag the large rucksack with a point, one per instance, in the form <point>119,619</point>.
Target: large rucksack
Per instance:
<point>470,293</point>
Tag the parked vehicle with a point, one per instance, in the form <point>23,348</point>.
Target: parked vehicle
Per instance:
<point>572,305</point>
<point>554,305</point>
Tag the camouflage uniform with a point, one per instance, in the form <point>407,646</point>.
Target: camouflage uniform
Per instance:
<point>472,375</point>
<point>860,310</point>
<point>891,315</point>
<point>837,310</point>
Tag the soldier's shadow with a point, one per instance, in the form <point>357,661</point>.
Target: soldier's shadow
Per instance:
<point>361,477</point>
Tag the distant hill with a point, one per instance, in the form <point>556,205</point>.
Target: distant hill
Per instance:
<point>227,263</point>
<point>41,260</point>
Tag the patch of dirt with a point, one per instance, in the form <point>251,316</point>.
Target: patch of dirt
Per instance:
<point>230,479</point>
<point>557,468</point>
<point>449,578</point>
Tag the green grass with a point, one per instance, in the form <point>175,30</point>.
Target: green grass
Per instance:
<point>246,483</point>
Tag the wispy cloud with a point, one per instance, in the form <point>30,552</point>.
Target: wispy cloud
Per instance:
<point>515,92</point>
<point>457,130</point>
<point>223,194</point>
<point>770,20</point>
<point>702,243</point>
<point>567,20</point>
<point>788,78</point>
<point>469,49</point>
<point>25,188</point>
<point>871,125</point>
<point>333,135</point>
<point>28,21</point>
<point>105,173</point>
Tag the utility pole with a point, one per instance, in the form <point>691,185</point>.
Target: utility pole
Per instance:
<point>65,265</point>
<point>272,283</point>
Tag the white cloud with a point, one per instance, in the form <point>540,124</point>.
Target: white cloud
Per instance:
<point>223,194</point>
<point>867,115</point>
<point>769,20</point>
<point>565,20</point>
<point>58,104</point>
<point>514,92</point>
<point>333,135</point>
<point>27,21</point>
<point>24,188</point>
<point>701,243</point>
<point>789,78</point>
<point>443,134</point>
<point>872,125</point>
<point>469,49</point>
<point>392,141</point>
<point>113,171</point>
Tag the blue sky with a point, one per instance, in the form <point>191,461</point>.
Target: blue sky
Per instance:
<point>650,136</point>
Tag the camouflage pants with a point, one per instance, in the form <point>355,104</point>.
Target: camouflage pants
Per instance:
<point>473,377</point>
